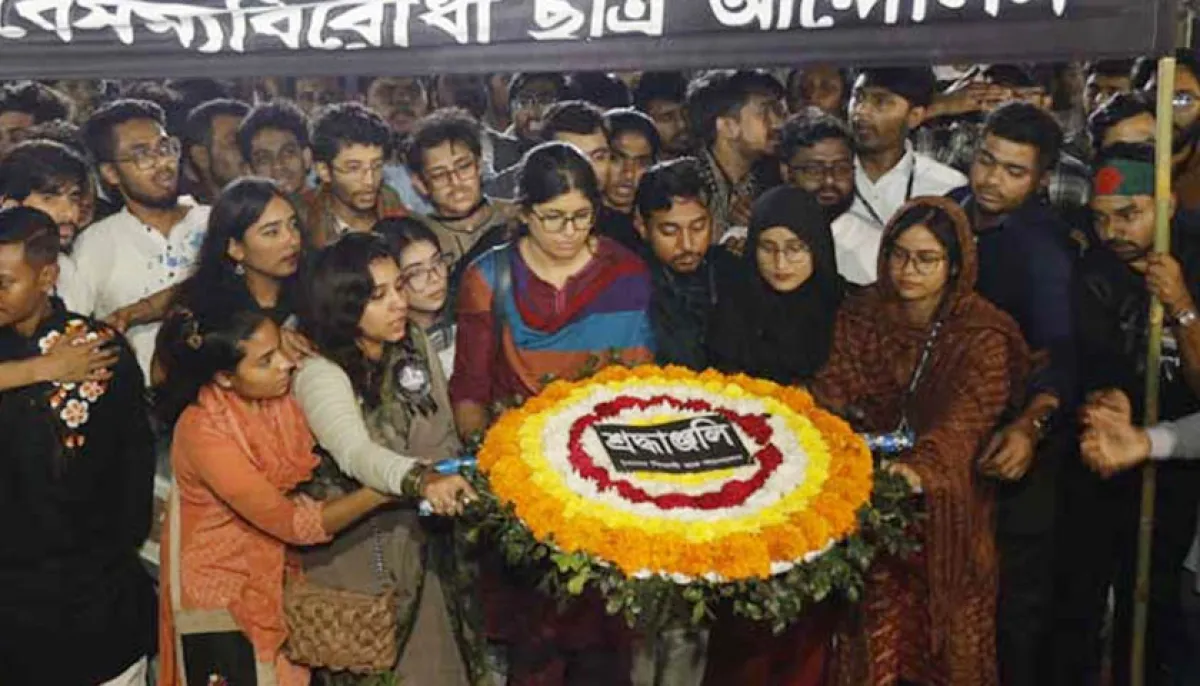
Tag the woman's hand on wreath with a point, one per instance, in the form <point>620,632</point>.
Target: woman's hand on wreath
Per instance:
<point>448,494</point>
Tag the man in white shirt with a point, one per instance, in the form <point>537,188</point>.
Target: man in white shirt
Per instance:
<point>885,106</point>
<point>129,262</point>
<point>816,153</point>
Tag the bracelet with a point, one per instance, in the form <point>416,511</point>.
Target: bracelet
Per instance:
<point>414,480</point>
<point>1185,318</point>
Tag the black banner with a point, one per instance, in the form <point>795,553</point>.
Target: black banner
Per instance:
<point>145,38</point>
<point>700,444</point>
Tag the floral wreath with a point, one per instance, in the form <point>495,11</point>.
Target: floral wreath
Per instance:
<point>816,540</point>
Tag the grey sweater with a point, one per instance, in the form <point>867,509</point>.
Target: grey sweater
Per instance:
<point>1179,439</point>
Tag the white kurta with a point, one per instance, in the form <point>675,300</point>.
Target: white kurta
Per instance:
<point>120,260</point>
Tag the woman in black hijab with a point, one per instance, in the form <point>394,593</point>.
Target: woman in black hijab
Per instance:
<point>777,321</point>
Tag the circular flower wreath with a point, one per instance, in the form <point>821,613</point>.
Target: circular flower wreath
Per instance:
<point>768,561</point>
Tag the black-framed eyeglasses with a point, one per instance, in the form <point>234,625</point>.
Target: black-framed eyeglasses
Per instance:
<point>463,170</point>
<point>819,171</point>
<point>143,158</point>
<point>420,276</point>
<point>265,159</point>
<point>557,223</point>
<point>359,169</point>
<point>924,262</point>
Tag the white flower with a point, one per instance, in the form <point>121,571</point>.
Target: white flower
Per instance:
<point>48,341</point>
<point>91,391</point>
<point>74,413</point>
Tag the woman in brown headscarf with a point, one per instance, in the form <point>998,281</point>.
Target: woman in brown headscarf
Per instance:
<point>921,350</point>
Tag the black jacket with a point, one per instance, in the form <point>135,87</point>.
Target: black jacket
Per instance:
<point>76,605</point>
<point>1112,305</point>
<point>682,305</point>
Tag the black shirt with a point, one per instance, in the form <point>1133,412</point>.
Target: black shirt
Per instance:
<point>76,494</point>
<point>1112,306</point>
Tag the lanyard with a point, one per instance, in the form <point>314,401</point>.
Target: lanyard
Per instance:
<point>918,372</point>
<point>908,191</point>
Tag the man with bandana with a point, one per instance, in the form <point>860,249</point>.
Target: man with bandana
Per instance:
<point>1099,517</point>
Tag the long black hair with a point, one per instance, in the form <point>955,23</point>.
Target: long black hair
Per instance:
<point>338,290</point>
<point>193,346</point>
<point>239,206</point>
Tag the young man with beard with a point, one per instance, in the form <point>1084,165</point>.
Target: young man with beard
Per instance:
<point>822,86</point>
<point>401,101</point>
<point>576,122</point>
<point>688,269</point>
<point>635,144</point>
<point>530,97</point>
<point>47,176</point>
<point>211,148</point>
<point>1100,529</point>
<point>351,145</point>
<point>662,95</point>
<point>129,262</point>
<point>816,154</point>
<point>76,605</point>
<point>445,158</point>
<point>312,94</point>
<point>26,104</point>
<point>273,139</point>
<point>886,104</point>
<point>1025,269</point>
<point>736,116</point>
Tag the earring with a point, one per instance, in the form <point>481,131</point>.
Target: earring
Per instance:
<point>239,269</point>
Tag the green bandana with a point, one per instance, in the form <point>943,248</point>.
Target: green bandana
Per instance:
<point>1121,176</point>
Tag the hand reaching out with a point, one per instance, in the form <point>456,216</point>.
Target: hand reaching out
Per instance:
<point>1111,443</point>
<point>448,494</point>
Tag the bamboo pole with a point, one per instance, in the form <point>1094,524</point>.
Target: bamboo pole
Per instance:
<point>1162,243</point>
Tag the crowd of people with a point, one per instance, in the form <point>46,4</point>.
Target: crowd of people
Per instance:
<point>294,298</point>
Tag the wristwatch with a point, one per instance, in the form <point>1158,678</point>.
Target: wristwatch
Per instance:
<point>1042,426</point>
<point>1185,318</point>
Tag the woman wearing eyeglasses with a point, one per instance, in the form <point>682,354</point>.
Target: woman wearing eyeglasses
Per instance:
<point>425,270</point>
<point>558,299</point>
<point>920,351</point>
<point>777,322</point>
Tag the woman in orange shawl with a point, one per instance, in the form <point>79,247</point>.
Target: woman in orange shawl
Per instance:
<point>241,446</point>
<point>920,349</point>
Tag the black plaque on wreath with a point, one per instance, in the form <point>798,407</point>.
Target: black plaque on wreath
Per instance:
<point>688,446</point>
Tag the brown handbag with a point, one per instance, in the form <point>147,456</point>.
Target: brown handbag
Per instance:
<point>342,630</point>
